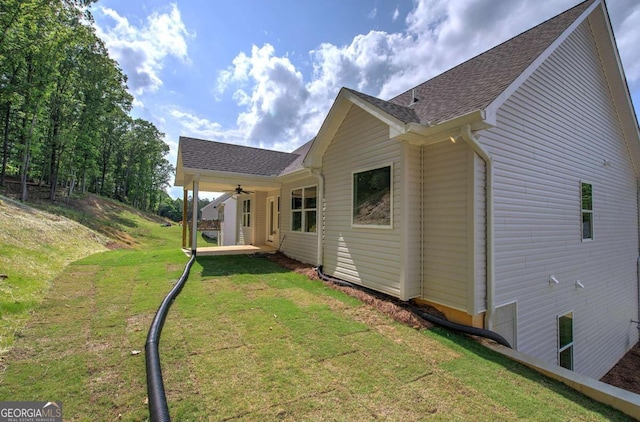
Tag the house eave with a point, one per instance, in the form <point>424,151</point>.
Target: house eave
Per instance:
<point>417,134</point>
<point>294,175</point>
<point>220,181</point>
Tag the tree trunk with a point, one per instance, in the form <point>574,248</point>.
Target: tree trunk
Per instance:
<point>5,144</point>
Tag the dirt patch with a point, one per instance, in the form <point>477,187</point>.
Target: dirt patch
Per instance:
<point>626,373</point>
<point>392,307</point>
<point>293,265</point>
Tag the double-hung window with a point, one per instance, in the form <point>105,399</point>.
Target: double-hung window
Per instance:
<point>586,201</point>
<point>246,213</point>
<point>304,209</point>
<point>565,340</point>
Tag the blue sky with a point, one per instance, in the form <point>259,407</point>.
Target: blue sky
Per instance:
<point>264,73</point>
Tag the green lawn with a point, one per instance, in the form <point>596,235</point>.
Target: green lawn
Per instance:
<point>247,340</point>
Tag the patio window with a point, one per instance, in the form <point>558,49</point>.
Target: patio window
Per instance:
<point>565,340</point>
<point>304,209</point>
<point>372,198</point>
<point>587,210</point>
<point>246,213</point>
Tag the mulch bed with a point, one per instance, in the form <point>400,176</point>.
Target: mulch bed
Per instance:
<point>386,304</point>
<point>625,375</point>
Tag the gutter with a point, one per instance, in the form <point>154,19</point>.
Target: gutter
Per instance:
<point>317,172</point>
<point>473,142</point>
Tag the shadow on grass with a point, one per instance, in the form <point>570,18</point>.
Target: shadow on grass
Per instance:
<point>470,347</point>
<point>217,266</point>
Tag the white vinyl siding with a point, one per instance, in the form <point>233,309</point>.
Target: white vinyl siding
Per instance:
<point>259,213</point>
<point>555,130</point>
<point>298,245</point>
<point>361,255</point>
<point>451,271</point>
<point>480,240</point>
<point>411,252</point>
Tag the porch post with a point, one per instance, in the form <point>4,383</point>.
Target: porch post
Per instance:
<point>194,218</point>
<point>185,220</point>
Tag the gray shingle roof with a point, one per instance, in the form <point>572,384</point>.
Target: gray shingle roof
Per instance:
<point>468,87</point>
<point>474,84</point>
<point>218,156</point>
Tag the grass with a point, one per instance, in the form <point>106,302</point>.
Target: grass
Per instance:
<point>249,340</point>
<point>34,247</point>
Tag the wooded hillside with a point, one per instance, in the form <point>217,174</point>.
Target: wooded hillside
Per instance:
<point>65,111</point>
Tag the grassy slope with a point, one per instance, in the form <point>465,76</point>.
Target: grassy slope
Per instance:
<point>248,340</point>
<point>34,248</point>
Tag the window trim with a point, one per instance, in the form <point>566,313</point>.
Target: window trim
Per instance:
<point>303,211</point>
<point>585,211</point>
<point>246,213</point>
<point>571,344</point>
<point>391,180</point>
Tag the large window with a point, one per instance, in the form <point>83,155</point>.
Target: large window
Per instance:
<point>304,209</point>
<point>246,213</point>
<point>372,197</point>
<point>565,340</point>
<point>587,210</point>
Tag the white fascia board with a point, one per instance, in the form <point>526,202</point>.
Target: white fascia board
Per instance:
<point>329,127</point>
<point>221,180</point>
<point>376,112</point>
<point>418,134</point>
<point>610,57</point>
<point>294,175</point>
<point>492,109</point>
<point>334,119</point>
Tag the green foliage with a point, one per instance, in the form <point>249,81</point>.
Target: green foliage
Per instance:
<point>64,109</point>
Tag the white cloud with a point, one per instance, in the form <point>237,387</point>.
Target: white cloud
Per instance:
<point>396,14</point>
<point>627,32</point>
<point>275,104</point>
<point>281,110</point>
<point>373,13</point>
<point>142,50</point>
<point>200,127</point>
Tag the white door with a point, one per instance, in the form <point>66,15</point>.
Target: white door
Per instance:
<point>273,219</point>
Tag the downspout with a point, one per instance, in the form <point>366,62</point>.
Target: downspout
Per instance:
<point>473,142</point>
<point>317,172</point>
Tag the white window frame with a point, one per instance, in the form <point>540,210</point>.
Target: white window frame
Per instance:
<point>584,211</point>
<point>246,212</point>
<point>569,345</point>
<point>391,178</point>
<point>303,211</point>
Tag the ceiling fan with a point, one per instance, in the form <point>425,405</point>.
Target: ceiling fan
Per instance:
<point>239,191</point>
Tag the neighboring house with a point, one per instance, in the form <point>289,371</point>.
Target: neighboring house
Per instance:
<point>223,209</point>
<point>503,191</point>
<point>210,211</point>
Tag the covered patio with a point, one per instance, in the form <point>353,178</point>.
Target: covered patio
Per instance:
<point>230,250</point>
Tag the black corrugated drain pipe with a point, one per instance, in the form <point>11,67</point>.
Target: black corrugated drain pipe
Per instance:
<point>158,408</point>
<point>481,332</point>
